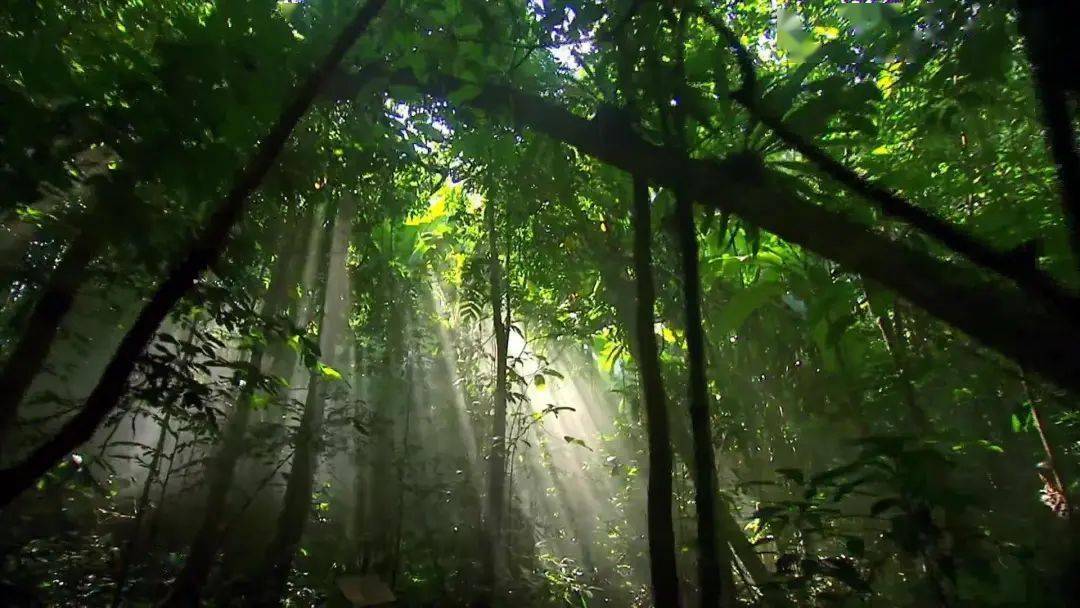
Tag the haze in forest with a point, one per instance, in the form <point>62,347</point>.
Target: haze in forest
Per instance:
<point>539,303</point>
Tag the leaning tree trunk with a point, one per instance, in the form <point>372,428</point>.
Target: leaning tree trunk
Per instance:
<point>497,463</point>
<point>296,504</point>
<point>189,584</point>
<point>665,579</point>
<point>204,251</point>
<point>28,356</point>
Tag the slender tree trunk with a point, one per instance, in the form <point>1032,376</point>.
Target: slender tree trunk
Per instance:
<point>189,584</point>
<point>203,253</point>
<point>135,539</point>
<point>1048,469</point>
<point>384,451</point>
<point>497,463</point>
<point>296,505</point>
<point>896,343</point>
<point>187,589</point>
<point>665,579</point>
<point>714,573</point>
<point>155,520</point>
<point>403,464</point>
<point>360,485</point>
<point>140,511</point>
<point>619,289</point>
<point>282,357</point>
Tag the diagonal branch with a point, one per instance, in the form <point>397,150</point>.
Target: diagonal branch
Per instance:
<point>997,314</point>
<point>1011,264</point>
<point>204,251</point>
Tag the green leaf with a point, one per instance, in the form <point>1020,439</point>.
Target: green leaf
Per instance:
<point>792,36</point>
<point>883,505</point>
<point>741,305</point>
<point>464,94</point>
<point>864,18</point>
<point>576,441</point>
<point>329,373</point>
<point>260,401</point>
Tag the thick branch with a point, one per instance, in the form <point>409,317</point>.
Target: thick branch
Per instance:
<point>27,358</point>
<point>997,314</point>
<point>204,251</point>
<point>1011,264</point>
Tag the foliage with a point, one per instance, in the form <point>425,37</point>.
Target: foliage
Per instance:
<point>868,454</point>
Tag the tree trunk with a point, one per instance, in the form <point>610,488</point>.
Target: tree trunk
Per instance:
<point>282,358</point>
<point>361,486</point>
<point>187,589</point>
<point>204,251</point>
<point>296,504</point>
<point>380,548</point>
<point>619,293</point>
<point>497,463</point>
<point>140,511</point>
<point>896,344</point>
<point>403,466</point>
<point>665,579</point>
<point>27,358</point>
<point>1046,27</point>
<point>714,572</point>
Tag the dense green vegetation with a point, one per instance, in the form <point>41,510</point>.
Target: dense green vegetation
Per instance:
<point>539,303</point>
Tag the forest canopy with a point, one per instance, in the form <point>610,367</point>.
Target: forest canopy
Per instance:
<point>545,303</point>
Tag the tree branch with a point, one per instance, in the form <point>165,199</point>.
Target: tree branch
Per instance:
<point>999,315</point>
<point>1011,264</point>
<point>204,251</point>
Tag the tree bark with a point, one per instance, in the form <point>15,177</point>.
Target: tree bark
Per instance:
<point>187,589</point>
<point>379,556</point>
<point>620,292</point>
<point>203,253</point>
<point>665,579</point>
<point>1047,25</point>
<point>296,505</point>
<point>497,462</point>
<point>140,512</point>
<point>714,573</point>
<point>27,358</point>
<point>189,584</point>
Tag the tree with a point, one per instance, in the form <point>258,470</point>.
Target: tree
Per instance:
<point>297,500</point>
<point>497,462</point>
<point>829,232</point>
<point>665,579</point>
